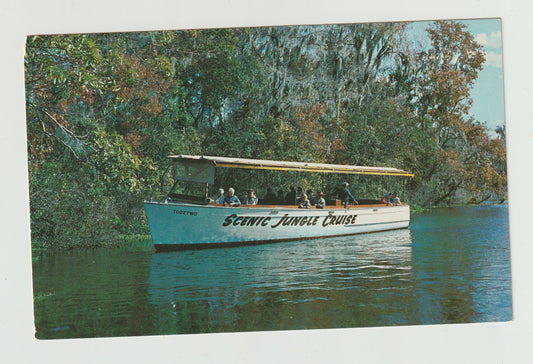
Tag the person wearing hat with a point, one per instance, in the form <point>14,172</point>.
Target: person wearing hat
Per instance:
<point>386,199</point>
<point>320,202</point>
<point>347,195</point>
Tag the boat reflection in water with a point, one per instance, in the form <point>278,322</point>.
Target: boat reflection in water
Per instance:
<point>362,280</point>
<point>451,266</point>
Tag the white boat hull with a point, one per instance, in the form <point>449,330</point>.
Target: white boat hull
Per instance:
<point>178,226</point>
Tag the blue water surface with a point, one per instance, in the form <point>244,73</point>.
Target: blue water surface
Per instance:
<point>451,266</point>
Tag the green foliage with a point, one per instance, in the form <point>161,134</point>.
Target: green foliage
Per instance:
<point>105,110</point>
<point>115,161</point>
<point>68,209</point>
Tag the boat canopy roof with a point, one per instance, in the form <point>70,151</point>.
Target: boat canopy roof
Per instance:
<point>230,162</point>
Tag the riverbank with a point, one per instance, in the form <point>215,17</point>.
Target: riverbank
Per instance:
<point>418,209</point>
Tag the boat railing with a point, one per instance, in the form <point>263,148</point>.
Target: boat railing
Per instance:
<point>331,204</point>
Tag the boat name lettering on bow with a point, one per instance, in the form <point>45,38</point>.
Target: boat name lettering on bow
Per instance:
<point>287,220</point>
<point>246,220</point>
<point>339,220</point>
<point>296,220</point>
<point>183,212</point>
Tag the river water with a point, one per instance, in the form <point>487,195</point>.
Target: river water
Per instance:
<point>451,266</point>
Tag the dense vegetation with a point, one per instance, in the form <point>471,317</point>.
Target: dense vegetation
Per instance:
<point>105,110</point>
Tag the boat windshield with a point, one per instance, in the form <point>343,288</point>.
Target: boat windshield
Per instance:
<point>194,171</point>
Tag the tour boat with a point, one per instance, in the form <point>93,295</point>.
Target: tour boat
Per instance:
<point>182,221</point>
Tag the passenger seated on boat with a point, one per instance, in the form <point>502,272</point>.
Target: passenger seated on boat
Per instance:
<point>251,198</point>
<point>395,199</point>
<point>290,198</point>
<point>320,202</point>
<point>347,196</point>
<point>304,204</point>
<point>232,199</point>
<point>299,195</point>
<point>280,200</point>
<point>311,196</point>
<point>219,197</point>
<point>386,199</point>
<point>270,198</point>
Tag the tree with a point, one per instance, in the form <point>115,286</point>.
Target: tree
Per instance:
<point>446,75</point>
<point>105,110</point>
<point>59,72</point>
